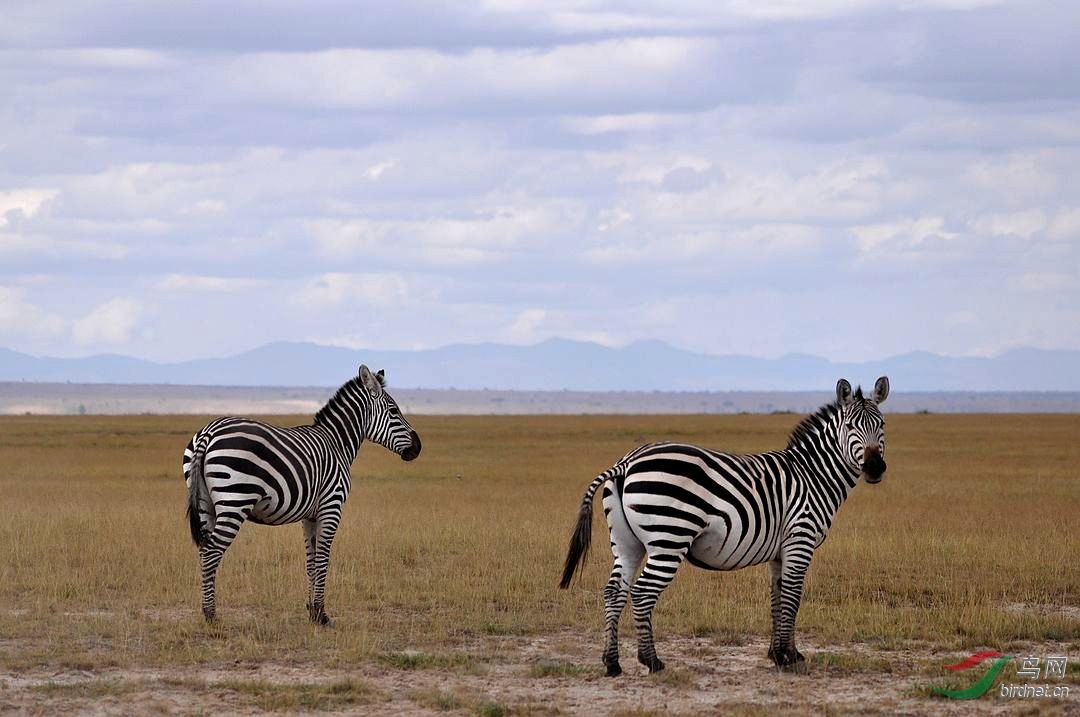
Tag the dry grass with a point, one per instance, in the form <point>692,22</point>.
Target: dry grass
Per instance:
<point>976,515</point>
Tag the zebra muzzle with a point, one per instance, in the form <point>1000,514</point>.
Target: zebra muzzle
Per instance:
<point>873,467</point>
<point>413,450</point>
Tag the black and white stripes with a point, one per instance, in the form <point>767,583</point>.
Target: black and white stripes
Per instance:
<point>669,502</point>
<point>239,469</point>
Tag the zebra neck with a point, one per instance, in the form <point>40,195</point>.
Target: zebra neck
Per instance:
<point>344,417</point>
<point>815,446</point>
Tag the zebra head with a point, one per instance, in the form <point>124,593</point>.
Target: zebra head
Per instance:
<point>862,428</point>
<point>386,424</point>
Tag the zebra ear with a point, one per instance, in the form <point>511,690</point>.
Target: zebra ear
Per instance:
<point>881,390</point>
<point>843,391</point>
<point>371,383</point>
<point>381,375</point>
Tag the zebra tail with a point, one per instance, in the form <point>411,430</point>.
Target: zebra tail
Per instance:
<point>581,540</point>
<point>197,493</point>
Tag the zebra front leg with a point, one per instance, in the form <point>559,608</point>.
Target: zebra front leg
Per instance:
<point>657,574</point>
<point>324,530</point>
<point>793,568</point>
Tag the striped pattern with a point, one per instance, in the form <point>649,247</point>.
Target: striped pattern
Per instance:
<point>670,502</point>
<point>240,469</point>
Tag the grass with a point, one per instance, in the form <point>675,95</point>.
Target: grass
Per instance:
<point>560,669</point>
<point>263,694</point>
<point>456,662</point>
<point>977,513</point>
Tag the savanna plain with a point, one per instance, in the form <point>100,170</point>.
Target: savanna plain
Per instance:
<point>443,577</point>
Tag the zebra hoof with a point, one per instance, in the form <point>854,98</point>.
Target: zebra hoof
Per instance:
<point>210,616</point>
<point>795,668</point>
<point>790,660</point>
<point>318,615</point>
<point>614,669</point>
<point>655,664</point>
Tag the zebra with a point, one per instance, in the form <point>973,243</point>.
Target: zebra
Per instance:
<point>669,502</point>
<point>239,469</point>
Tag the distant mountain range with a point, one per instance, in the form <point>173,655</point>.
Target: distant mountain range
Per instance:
<point>562,364</point>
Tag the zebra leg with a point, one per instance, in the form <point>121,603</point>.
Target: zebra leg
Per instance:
<point>657,574</point>
<point>309,560</point>
<point>628,554</point>
<point>775,582</point>
<point>794,563</point>
<point>226,526</point>
<point>324,530</point>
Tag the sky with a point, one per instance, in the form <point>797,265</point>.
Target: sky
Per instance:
<point>847,178</point>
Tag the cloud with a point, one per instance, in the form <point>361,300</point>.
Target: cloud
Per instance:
<point>526,325</point>
<point>1016,224</point>
<point>109,323</point>
<point>1045,281</point>
<point>23,202</point>
<point>380,291</point>
<point>1066,225</point>
<point>413,174</point>
<point>632,74</point>
<point>207,284</point>
<point>21,319</point>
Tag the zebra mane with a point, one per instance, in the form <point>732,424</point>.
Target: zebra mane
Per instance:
<point>341,395</point>
<point>814,423</point>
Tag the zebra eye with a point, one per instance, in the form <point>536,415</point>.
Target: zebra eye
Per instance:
<point>850,425</point>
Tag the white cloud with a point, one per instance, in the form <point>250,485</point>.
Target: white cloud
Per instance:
<point>211,284</point>
<point>637,71</point>
<point>124,58</point>
<point>526,325</point>
<point>1048,281</point>
<point>25,201</point>
<point>484,235</point>
<point>1023,224</point>
<point>453,172</point>
<point>364,290</point>
<point>605,124</point>
<point>1066,225</point>
<point>19,318</point>
<point>377,170</point>
<point>1016,177</point>
<point>107,324</point>
<point>911,238</point>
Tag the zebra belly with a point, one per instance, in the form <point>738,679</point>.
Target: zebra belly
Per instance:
<point>720,547</point>
<point>269,511</point>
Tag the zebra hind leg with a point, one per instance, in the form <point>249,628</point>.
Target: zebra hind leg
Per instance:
<point>310,544</point>
<point>658,573</point>
<point>213,550</point>
<point>322,535</point>
<point>628,557</point>
<point>775,582</point>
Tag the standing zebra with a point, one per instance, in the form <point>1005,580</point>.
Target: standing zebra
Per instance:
<point>240,469</point>
<point>666,502</point>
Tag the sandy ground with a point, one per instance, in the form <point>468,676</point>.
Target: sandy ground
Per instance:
<point>558,674</point>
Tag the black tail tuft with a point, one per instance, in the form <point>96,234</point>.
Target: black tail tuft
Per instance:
<point>580,542</point>
<point>196,488</point>
<point>195,525</point>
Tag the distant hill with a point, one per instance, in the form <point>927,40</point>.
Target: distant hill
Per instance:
<point>562,364</point>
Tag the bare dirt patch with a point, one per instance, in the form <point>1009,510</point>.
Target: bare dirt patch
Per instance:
<point>556,674</point>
